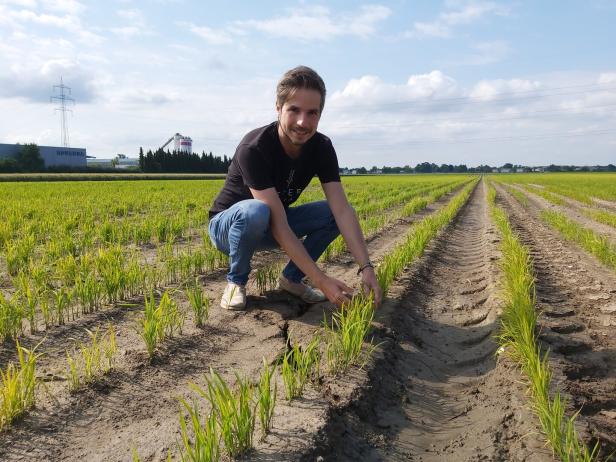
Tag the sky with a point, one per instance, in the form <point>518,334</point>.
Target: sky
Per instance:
<point>455,82</point>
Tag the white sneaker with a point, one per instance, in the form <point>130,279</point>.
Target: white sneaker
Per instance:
<point>301,290</point>
<point>234,297</point>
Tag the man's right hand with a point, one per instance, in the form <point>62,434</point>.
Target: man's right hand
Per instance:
<point>336,291</point>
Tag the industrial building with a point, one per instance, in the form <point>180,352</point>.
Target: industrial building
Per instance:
<point>53,156</point>
<point>180,143</point>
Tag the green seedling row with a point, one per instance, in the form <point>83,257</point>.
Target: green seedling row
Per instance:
<point>346,334</point>
<point>298,366</point>
<point>159,322</point>
<point>582,187</point>
<point>418,238</point>
<point>596,244</point>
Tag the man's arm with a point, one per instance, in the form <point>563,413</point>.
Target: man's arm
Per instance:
<point>333,289</point>
<point>347,222</point>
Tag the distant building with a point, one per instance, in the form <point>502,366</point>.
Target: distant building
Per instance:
<point>53,156</point>
<point>120,161</point>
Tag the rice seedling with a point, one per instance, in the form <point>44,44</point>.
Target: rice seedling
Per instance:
<point>235,412</point>
<point>62,298</point>
<point>18,386</point>
<point>298,366</point>
<point>266,397</point>
<point>88,361</point>
<point>266,277</point>
<point>202,443</point>
<point>10,317</point>
<point>150,325</point>
<point>27,294</point>
<point>345,337</point>
<point>159,321</point>
<point>110,348</point>
<point>199,302</point>
<point>46,312</point>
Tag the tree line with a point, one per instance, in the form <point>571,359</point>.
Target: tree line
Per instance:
<point>161,161</point>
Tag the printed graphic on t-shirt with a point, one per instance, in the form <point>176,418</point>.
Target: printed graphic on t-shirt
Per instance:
<point>289,194</point>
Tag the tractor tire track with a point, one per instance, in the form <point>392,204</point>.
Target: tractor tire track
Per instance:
<point>439,393</point>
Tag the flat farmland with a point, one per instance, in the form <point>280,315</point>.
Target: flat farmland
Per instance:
<point>494,342</point>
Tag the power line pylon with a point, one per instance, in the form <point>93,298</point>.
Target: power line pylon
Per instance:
<point>63,99</point>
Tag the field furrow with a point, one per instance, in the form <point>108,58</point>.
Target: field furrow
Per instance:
<point>439,392</point>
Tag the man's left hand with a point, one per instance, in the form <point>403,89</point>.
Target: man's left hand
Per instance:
<point>370,284</point>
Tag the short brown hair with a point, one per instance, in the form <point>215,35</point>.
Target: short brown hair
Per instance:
<point>296,78</point>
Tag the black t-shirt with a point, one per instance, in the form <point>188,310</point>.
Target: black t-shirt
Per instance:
<point>260,163</point>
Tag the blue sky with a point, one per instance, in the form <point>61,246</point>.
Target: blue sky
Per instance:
<point>474,82</point>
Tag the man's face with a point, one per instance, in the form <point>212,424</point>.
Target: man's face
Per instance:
<point>299,116</point>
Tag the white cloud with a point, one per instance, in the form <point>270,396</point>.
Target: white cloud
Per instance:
<point>487,90</point>
<point>133,15</point>
<point>65,22</point>
<point>22,3</point>
<point>607,78</point>
<point>127,32</point>
<point>212,36</point>
<point>483,53</point>
<point>467,13</point>
<point>315,23</point>
<point>68,6</point>
<point>372,90</point>
<point>320,24</point>
<point>34,82</point>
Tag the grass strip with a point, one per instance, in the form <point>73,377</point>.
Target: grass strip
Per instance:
<point>518,336</point>
<point>594,243</point>
<point>418,238</point>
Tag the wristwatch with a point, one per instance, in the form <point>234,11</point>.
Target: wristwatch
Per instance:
<point>368,264</point>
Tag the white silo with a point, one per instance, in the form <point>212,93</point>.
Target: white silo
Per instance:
<point>177,140</point>
<point>186,144</point>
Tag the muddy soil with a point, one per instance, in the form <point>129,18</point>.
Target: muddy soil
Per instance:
<point>438,392</point>
<point>577,299</point>
<point>136,405</point>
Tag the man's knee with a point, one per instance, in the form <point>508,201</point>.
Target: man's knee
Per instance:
<point>256,215</point>
<point>325,216</point>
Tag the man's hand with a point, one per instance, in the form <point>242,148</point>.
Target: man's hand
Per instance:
<point>370,284</point>
<point>336,291</point>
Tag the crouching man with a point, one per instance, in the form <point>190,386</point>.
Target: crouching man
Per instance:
<point>271,167</point>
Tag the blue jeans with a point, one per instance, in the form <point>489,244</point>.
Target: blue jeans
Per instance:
<point>244,228</point>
